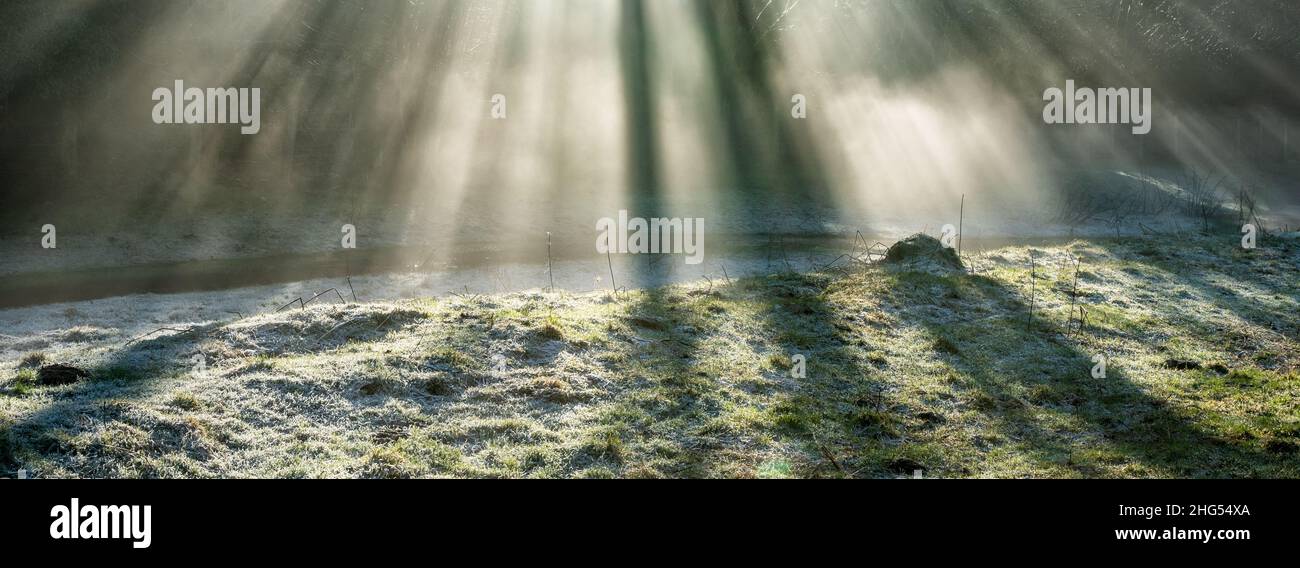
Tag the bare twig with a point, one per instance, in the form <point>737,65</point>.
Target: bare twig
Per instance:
<point>335,290</point>
<point>1074,294</point>
<point>609,259</point>
<point>837,259</point>
<point>1032,289</point>
<point>549,272</point>
<point>827,454</point>
<point>789,5</point>
<point>161,329</point>
<point>471,298</point>
<point>961,218</point>
<point>301,305</point>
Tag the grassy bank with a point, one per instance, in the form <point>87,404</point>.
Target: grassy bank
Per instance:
<point>908,367</point>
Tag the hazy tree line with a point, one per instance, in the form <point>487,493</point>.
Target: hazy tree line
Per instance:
<point>60,62</point>
<point>1215,52</point>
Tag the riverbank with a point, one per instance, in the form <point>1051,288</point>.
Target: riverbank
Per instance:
<point>907,367</point>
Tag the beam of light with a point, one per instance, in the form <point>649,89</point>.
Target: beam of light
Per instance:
<point>378,114</point>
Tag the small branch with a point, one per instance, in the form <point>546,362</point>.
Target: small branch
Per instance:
<point>1074,294</point>
<point>1032,289</point>
<point>609,259</point>
<point>961,218</point>
<point>301,305</point>
<point>550,273</point>
<point>335,290</point>
<point>161,329</point>
<point>832,263</point>
<point>827,454</point>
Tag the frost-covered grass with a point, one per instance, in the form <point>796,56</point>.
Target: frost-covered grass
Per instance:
<point>907,367</point>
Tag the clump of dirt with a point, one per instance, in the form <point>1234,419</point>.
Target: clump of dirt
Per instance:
<point>1181,364</point>
<point>904,466</point>
<point>58,374</point>
<point>921,247</point>
<point>1190,365</point>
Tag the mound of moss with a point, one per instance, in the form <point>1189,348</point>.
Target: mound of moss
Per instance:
<point>921,247</point>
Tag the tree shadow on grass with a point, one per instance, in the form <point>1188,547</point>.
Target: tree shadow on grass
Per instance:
<point>837,412</point>
<point>1035,383</point>
<point>669,394</point>
<point>712,395</point>
<point>695,403</point>
<point>1257,288</point>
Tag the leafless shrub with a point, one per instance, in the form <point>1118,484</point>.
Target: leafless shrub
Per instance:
<point>1152,199</point>
<point>1247,207</point>
<point>1082,199</point>
<point>1116,198</point>
<point>1121,207</point>
<point>1203,196</point>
